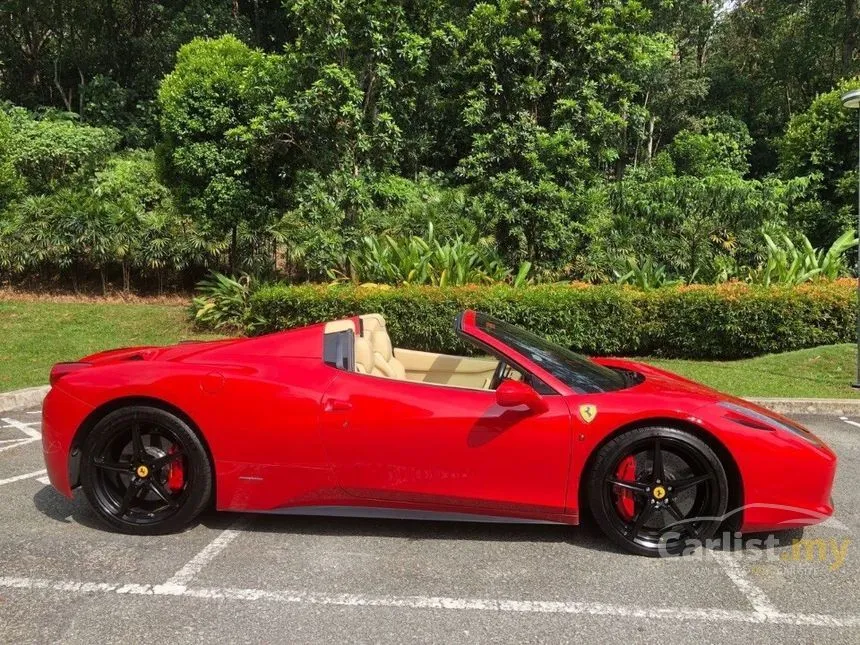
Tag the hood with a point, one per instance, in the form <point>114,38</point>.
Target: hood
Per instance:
<point>661,382</point>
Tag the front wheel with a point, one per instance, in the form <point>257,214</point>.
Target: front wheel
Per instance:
<point>145,471</point>
<point>658,491</point>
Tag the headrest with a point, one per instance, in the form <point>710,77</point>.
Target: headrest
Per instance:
<point>339,325</point>
<point>381,344</point>
<point>372,322</point>
<point>363,354</point>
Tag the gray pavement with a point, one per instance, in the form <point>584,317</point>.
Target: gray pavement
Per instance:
<point>235,578</point>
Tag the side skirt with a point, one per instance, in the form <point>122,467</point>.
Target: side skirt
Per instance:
<point>370,512</point>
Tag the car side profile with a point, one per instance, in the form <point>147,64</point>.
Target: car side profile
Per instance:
<point>330,419</point>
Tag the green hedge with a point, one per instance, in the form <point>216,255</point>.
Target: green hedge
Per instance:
<point>724,321</point>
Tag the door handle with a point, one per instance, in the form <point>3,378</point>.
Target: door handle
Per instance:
<point>336,405</point>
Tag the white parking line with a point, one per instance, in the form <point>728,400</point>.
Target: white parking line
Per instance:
<point>23,427</point>
<point>847,420</point>
<point>761,604</point>
<point>32,434</point>
<point>16,444</point>
<point>439,603</point>
<point>177,584</point>
<point>18,478</point>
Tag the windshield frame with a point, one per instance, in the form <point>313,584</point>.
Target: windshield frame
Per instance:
<point>557,362</point>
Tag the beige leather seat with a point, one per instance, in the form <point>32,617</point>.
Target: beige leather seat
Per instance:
<point>363,356</point>
<point>375,334</point>
<point>383,356</point>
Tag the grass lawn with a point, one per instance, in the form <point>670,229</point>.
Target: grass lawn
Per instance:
<point>820,372</point>
<point>36,333</point>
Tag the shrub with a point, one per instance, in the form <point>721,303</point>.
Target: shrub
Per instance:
<point>221,301</point>
<point>726,321</point>
<point>427,260</point>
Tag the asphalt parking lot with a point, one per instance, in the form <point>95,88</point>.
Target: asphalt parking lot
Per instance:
<point>264,578</point>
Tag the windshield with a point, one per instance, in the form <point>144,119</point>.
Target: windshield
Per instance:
<point>574,370</point>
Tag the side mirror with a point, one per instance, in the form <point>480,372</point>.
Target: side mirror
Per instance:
<point>511,394</point>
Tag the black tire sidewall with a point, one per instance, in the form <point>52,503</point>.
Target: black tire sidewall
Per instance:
<point>197,457</point>
<point>614,449</point>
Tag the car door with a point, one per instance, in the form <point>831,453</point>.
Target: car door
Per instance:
<point>413,442</point>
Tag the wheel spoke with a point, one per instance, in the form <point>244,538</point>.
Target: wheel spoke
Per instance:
<point>675,512</point>
<point>120,467</point>
<point>684,484</point>
<point>169,458</point>
<point>639,522</point>
<point>657,466</point>
<point>130,496</point>
<point>159,490</point>
<point>636,487</point>
<point>137,443</point>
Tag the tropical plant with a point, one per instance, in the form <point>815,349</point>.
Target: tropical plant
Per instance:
<point>650,275</point>
<point>789,264</point>
<point>427,260</point>
<point>221,301</point>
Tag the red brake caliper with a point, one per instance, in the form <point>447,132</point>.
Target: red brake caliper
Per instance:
<point>626,472</point>
<point>175,474</point>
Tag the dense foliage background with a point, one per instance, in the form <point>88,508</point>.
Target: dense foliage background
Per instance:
<point>647,141</point>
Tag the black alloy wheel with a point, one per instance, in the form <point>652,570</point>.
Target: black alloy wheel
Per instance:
<point>658,491</point>
<point>145,471</point>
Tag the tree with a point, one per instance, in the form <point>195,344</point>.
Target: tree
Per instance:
<point>215,155</point>
<point>822,142</point>
<point>55,150</point>
<point>772,57</point>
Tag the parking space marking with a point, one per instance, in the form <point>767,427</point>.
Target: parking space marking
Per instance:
<point>18,478</point>
<point>32,435</point>
<point>849,421</point>
<point>439,603</point>
<point>755,596</point>
<point>26,428</point>
<point>177,584</point>
<point>16,444</point>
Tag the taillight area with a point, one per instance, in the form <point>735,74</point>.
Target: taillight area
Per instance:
<point>59,370</point>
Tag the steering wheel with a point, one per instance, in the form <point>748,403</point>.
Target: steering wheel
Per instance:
<point>498,375</point>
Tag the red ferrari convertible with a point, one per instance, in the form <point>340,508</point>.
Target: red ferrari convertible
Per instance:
<point>330,419</point>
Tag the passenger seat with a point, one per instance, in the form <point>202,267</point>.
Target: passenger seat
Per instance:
<point>384,362</point>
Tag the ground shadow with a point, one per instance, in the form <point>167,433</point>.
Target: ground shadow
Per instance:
<point>585,536</point>
<point>729,541</point>
<point>61,509</point>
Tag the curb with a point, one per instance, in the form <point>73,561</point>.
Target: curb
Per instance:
<point>837,407</point>
<point>30,397</point>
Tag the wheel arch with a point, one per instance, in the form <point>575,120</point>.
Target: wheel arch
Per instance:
<point>113,405</point>
<point>733,474</point>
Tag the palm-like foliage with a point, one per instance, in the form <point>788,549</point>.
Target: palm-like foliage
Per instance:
<point>221,301</point>
<point>788,263</point>
<point>650,275</point>
<point>427,260</point>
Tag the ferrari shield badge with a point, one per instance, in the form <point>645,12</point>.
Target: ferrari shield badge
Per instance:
<point>587,412</point>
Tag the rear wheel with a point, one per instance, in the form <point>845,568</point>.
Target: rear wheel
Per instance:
<point>144,471</point>
<point>656,491</point>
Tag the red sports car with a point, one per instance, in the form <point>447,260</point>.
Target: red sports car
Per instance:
<point>330,419</point>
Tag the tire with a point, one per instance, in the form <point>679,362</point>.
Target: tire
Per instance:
<point>144,471</point>
<point>658,513</point>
